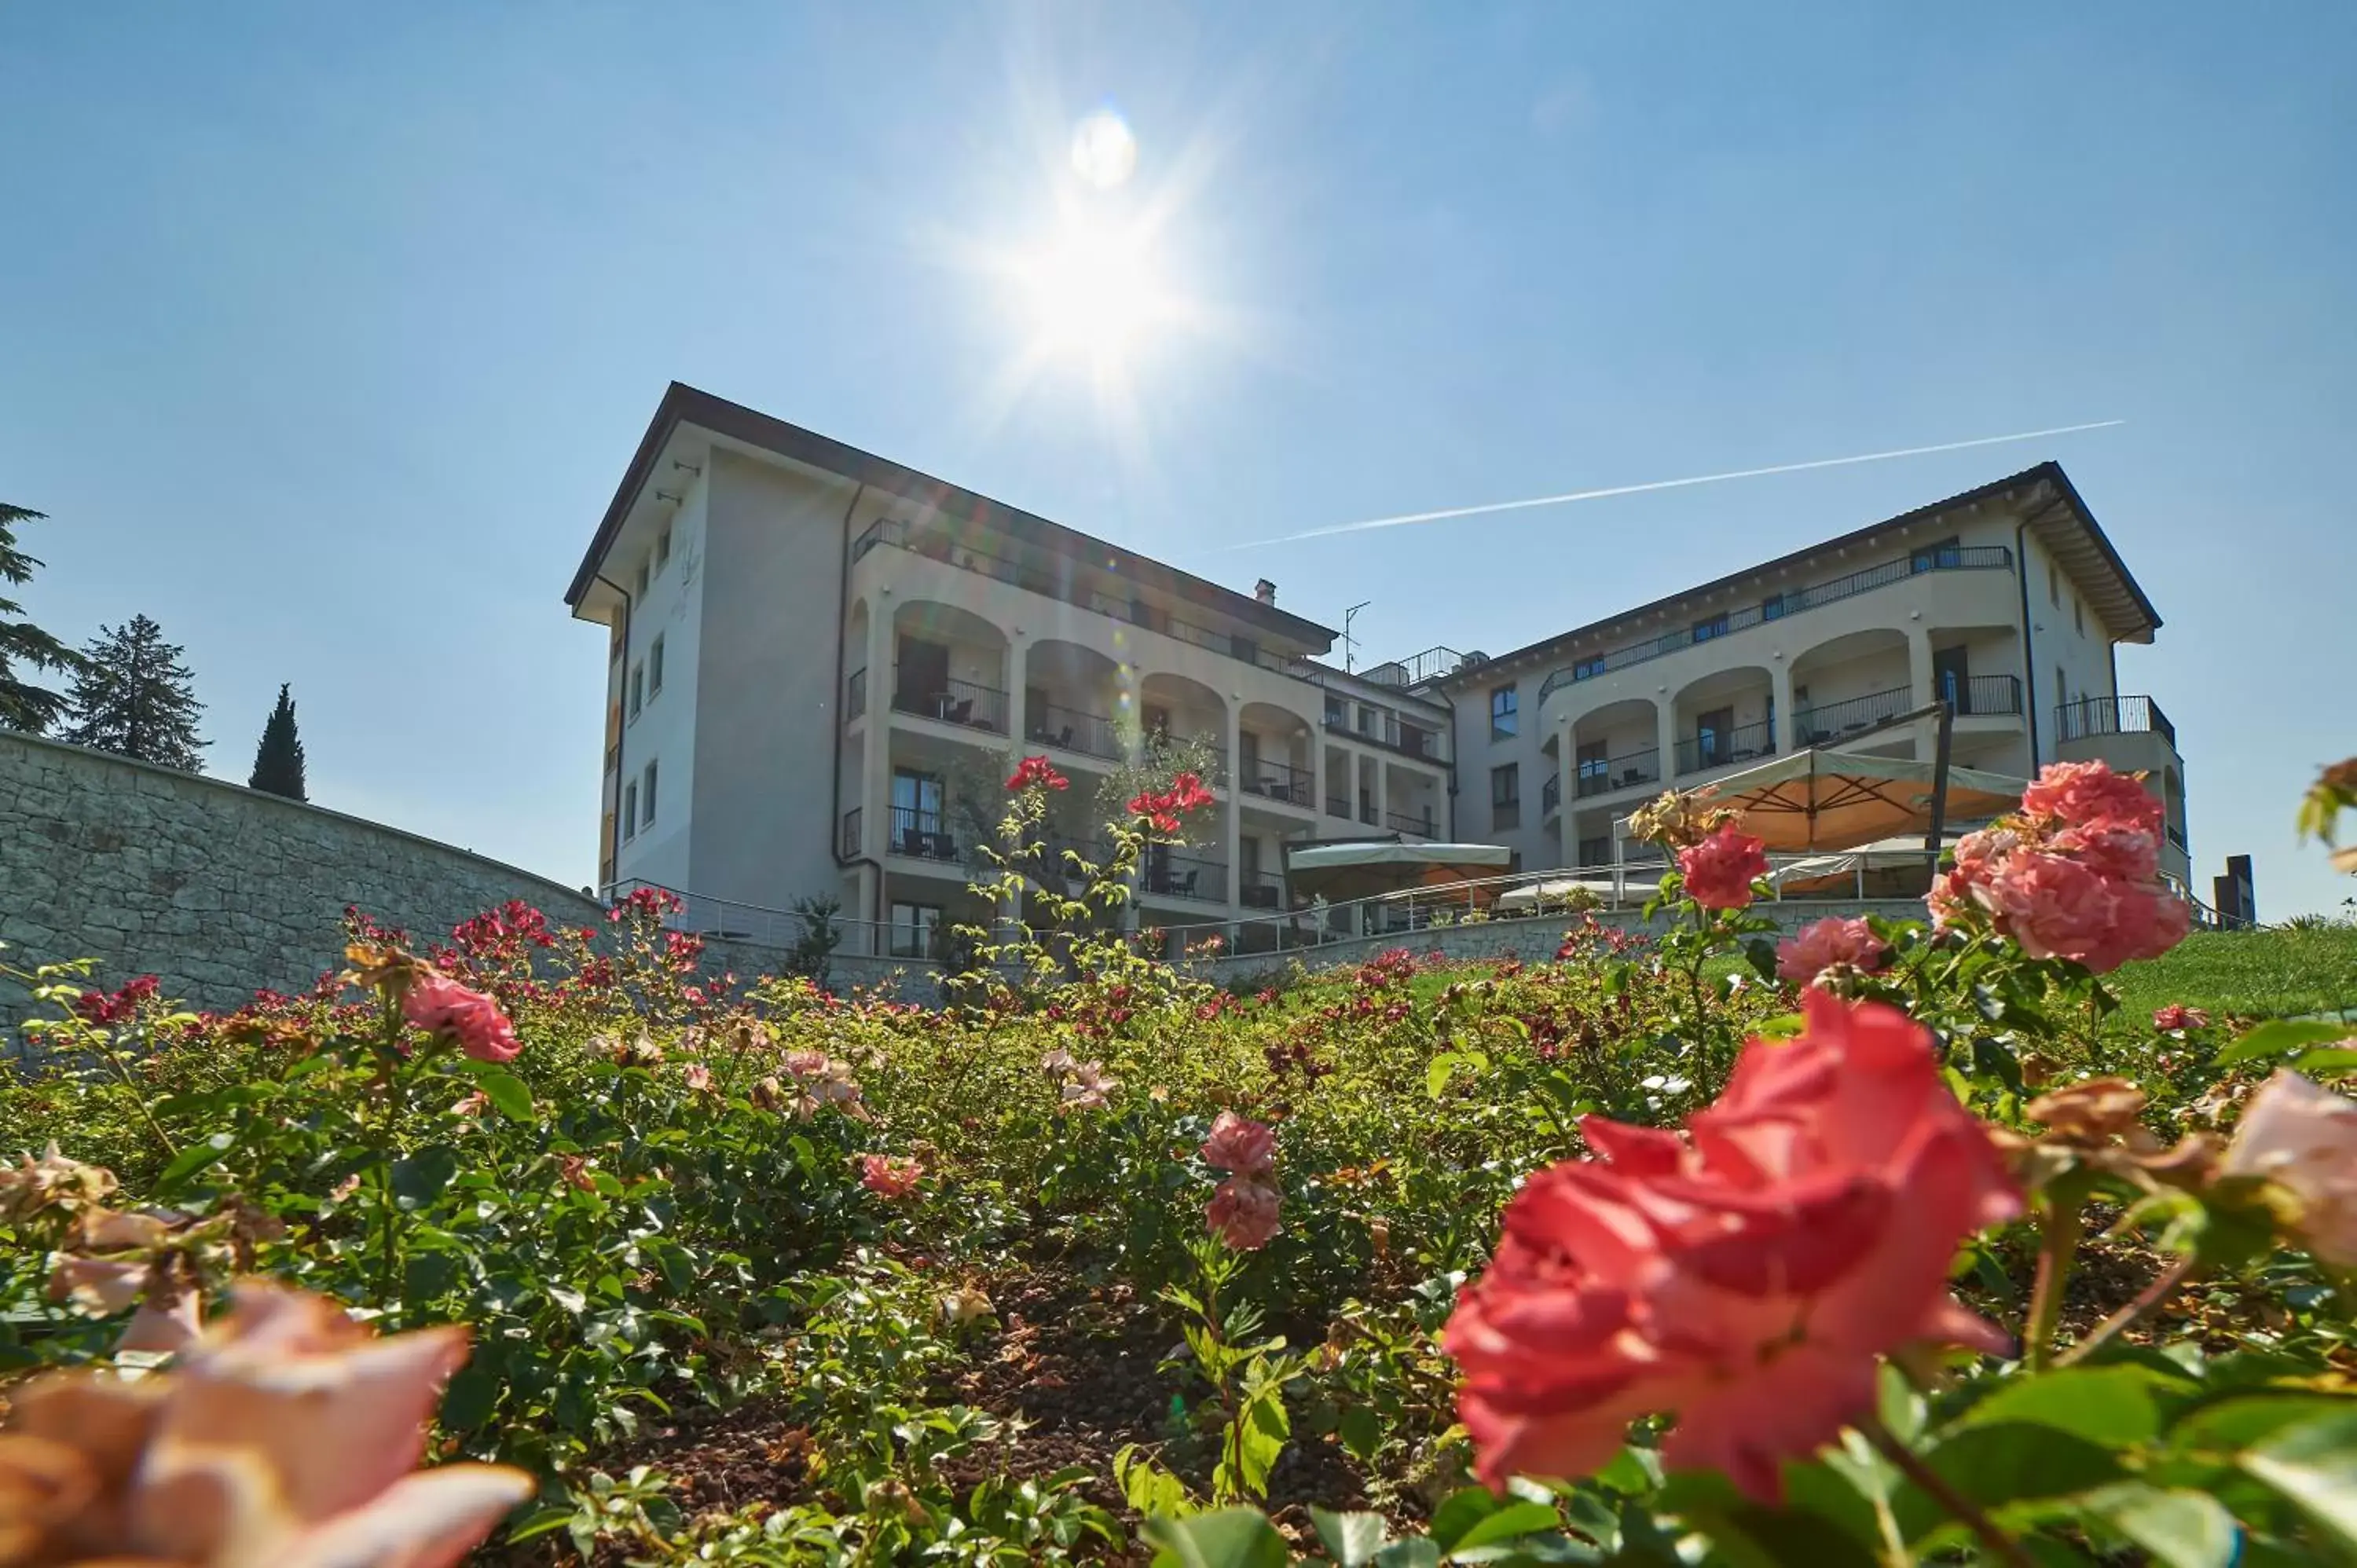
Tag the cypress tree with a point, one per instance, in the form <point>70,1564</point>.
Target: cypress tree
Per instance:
<point>24,705</point>
<point>278,760</point>
<point>133,695</point>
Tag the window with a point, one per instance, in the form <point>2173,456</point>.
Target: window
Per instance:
<point>662,547</point>
<point>640,597</point>
<point>1948,551</point>
<point>1505,713</point>
<point>1593,763</point>
<point>1595,851</point>
<point>913,926</point>
<point>630,810</point>
<point>2053,585</point>
<point>1338,713</point>
<point>1710,627</point>
<point>1772,608</point>
<point>916,825</point>
<point>2079,614</point>
<point>1506,796</point>
<point>647,796</point>
<point>2063,700</point>
<point>637,689</point>
<point>1245,650</point>
<point>654,669</point>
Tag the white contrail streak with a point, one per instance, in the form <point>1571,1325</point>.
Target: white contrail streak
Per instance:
<point>1442,516</point>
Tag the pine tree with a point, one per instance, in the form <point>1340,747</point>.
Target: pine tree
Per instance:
<point>133,695</point>
<point>278,760</point>
<point>24,705</point>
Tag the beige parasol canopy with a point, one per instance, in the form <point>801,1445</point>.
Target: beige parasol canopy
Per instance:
<point>1820,799</point>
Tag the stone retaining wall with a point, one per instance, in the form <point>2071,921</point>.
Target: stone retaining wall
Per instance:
<point>214,889</point>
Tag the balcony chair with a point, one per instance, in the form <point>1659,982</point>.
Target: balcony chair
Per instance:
<point>944,845</point>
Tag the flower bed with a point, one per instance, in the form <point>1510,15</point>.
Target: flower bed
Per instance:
<point>1886,1242</point>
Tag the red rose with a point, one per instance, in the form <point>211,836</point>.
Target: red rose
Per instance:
<point>1746,1276</point>
<point>438,1003</point>
<point>1720,871</point>
<point>1036,770</point>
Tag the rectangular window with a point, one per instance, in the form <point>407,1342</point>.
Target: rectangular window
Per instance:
<point>2053,585</point>
<point>640,597</point>
<point>1710,627</point>
<point>1506,784</point>
<point>654,669</point>
<point>1595,851</point>
<point>662,547</point>
<point>1338,713</point>
<point>630,810</point>
<point>913,926</point>
<point>637,689</point>
<point>1505,713</point>
<point>1772,608</point>
<point>2079,614</point>
<point>1593,762</point>
<point>647,795</point>
<point>2063,700</point>
<point>1245,650</point>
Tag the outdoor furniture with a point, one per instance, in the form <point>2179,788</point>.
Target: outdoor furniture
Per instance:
<point>945,845</point>
<point>962,714</point>
<point>912,842</point>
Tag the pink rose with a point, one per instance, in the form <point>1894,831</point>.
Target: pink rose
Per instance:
<point>286,1434</point>
<point>2054,906</point>
<point>1241,1144</point>
<point>1807,952</point>
<point>2084,794</point>
<point>2114,852</point>
<point>890,1175</point>
<point>1243,1213</point>
<point>1746,1276</point>
<point>1720,871</point>
<point>2176,1016</point>
<point>437,1002</point>
<point>2303,1138</point>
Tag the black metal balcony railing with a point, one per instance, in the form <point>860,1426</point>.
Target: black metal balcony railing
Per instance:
<point>1777,606</point>
<point>955,703</point>
<point>1831,720</point>
<point>1367,812</point>
<point>855,694</point>
<point>2176,835</point>
<point>851,830</point>
<point>1091,734</point>
<point>1980,694</point>
<point>1406,739</point>
<point>1722,748</point>
<point>1171,875</point>
<point>1261,890</point>
<point>1060,586</point>
<point>2092,716</point>
<point>1420,823</point>
<point>1601,777</point>
<point>1279,781</point>
<point>922,835</point>
<point>1550,796</point>
<point>1338,806</point>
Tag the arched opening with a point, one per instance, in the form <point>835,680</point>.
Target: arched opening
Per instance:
<point>1273,754</point>
<point>1077,700</point>
<point>1725,719</point>
<point>1850,684</point>
<point>1616,746</point>
<point>949,664</point>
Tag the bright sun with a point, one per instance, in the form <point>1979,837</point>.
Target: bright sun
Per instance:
<point>1094,290</point>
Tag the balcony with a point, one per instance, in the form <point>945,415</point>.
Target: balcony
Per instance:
<point>1601,776</point>
<point>2092,716</point>
<point>1071,729</point>
<point>922,835</point>
<point>851,831</point>
<point>1064,589</point>
<point>1777,606</point>
<point>854,695</point>
<point>1551,797</point>
<point>1983,695</point>
<point>1338,806</point>
<point>958,703</point>
<point>1278,781</point>
<point>1420,823</point>
<point>1422,744</point>
<point>1724,748</point>
<point>1830,722</point>
<point>1168,875</point>
<point>1261,890</point>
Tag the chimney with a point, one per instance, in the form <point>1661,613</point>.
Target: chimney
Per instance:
<point>1264,590</point>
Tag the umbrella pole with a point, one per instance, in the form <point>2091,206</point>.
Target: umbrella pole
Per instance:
<point>1937,837</point>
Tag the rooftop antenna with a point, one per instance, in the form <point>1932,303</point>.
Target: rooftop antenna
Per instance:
<point>1348,643</point>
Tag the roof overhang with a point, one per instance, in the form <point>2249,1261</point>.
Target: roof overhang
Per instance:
<point>730,424</point>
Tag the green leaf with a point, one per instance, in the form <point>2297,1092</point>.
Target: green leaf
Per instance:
<point>2230,1425</point>
<point>2110,1405</point>
<point>419,1179</point>
<point>196,1157</point>
<point>1361,1432</point>
<point>2313,1466</point>
<point>502,1089</point>
<point>2281,1037</point>
<point>1232,1538</point>
<point>1460,1512</point>
<point>1416,1552</point>
<point>2181,1529</point>
<point>1513,1520</point>
<point>2005,1462</point>
<point>1749,1536</point>
<point>2327,1063</point>
<point>1352,1538</point>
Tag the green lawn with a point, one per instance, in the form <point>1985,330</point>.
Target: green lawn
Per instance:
<point>2273,973</point>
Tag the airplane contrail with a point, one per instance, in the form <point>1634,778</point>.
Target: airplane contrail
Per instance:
<point>1405,518</point>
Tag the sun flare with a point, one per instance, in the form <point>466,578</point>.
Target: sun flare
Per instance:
<point>1094,290</point>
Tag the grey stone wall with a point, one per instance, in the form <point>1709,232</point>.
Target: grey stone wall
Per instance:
<point>214,889</point>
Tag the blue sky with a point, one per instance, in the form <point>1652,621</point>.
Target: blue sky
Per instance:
<point>328,331</point>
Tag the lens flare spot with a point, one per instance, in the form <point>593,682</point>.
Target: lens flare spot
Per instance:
<point>1104,151</point>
